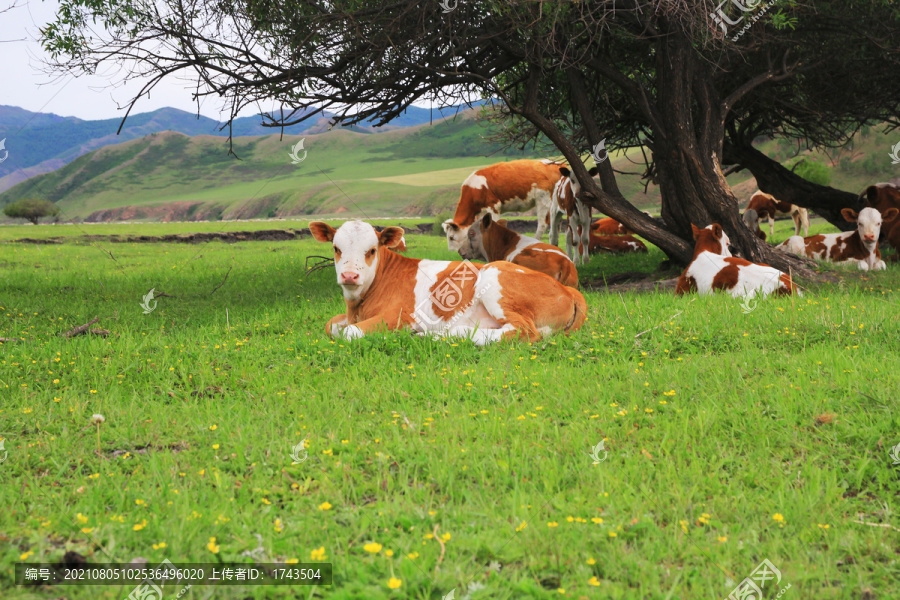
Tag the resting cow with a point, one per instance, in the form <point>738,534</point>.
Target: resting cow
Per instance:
<point>384,290</point>
<point>609,226</point>
<point>767,207</point>
<point>516,185</point>
<point>615,243</point>
<point>491,240</point>
<point>713,268</point>
<point>859,246</point>
<point>882,197</point>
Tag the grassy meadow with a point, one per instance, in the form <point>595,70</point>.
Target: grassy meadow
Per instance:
<point>437,467</point>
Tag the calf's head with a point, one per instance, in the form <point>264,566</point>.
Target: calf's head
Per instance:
<point>868,222</point>
<point>356,255</point>
<point>711,238</point>
<point>472,248</point>
<point>565,191</point>
<point>456,234</point>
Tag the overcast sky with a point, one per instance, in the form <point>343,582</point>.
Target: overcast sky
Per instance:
<point>23,82</point>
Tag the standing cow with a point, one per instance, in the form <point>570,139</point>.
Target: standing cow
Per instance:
<point>516,185</point>
<point>766,206</point>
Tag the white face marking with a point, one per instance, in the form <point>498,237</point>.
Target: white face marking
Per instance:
<point>869,225</point>
<point>455,235</point>
<point>355,240</point>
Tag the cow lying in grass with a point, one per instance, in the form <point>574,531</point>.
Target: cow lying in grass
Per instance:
<point>713,268</point>
<point>619,244</point>
<point>609,226</point>
<point>491,240</point>
<point>859,246</point>
<point>386,291</point>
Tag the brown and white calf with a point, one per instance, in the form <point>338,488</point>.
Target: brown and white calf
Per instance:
<point>609,226</point>
<point>767,207</point>
<point>516,185</point>
<point>883,197</point>
<point>751,220</point>
<point>615,243</point>
<point>491,240</point>
<point>714,268</point>
<point>565,200</point>
<point>384,290</point>
<point>859,246</point>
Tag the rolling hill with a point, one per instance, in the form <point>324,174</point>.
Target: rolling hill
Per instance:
<point>172,176</point>
<point>41,142</point>
<point>413,171</point>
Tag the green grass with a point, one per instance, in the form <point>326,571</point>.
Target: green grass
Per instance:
<point>709,416</point>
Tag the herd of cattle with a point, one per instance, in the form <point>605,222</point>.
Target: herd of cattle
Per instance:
<point>527,288</point>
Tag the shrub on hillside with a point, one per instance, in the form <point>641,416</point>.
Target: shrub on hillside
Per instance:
<point>813,171</point>
<point>438,228</point>
<point>32,209</point>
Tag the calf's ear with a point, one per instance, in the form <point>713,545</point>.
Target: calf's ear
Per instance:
<point>449,226</point>
<point>391,237</point>
<point>849,214</point>
<point>486,221</point>
<point>717,230</point>
<point>696,231</point>
<point>593,171</point>
<point>890,214</point>
<point>322,232</point>
<point>564,171</point>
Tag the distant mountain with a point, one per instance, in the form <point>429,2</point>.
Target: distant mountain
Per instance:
<point>173,176</point>
<point>42,142</point>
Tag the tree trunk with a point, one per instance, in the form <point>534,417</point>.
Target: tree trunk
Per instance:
<point>785,185</point>
<point>686,150</point>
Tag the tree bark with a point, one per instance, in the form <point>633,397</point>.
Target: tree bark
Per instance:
<point>687,147</point>
<point>784,184</point>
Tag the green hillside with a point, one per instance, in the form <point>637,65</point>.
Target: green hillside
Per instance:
<point>408,172</point>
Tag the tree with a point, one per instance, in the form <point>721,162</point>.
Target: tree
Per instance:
<point>32,209</point>
<point>671,78</point>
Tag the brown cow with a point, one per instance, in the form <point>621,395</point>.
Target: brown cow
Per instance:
<point>516,185</point>
<point>767,207</point>
<point>491,240</point>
